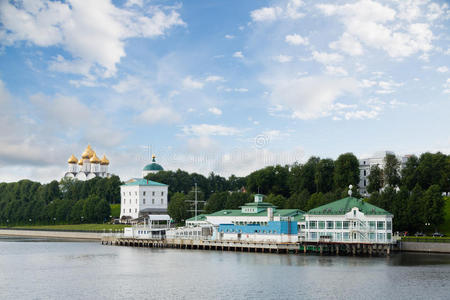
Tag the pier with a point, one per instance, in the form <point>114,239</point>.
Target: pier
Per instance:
<point>322,248</point>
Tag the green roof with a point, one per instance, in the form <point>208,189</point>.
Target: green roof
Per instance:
<point>201,217</point>
<point>143,182</point>
<point>259,204</point>
<point>343,206</point>
<point>239,213</point>
<point>153,167</point>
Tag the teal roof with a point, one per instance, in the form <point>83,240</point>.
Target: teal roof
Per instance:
<point>343,206</point>
<point>259,204</point>
<point>143,182</point>
<point>201,217</point>
<point>153,167</point>
<point>239,213</point>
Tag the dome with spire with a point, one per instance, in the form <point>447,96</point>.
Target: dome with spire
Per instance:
<point>94,159</point>
<point>80,162</point>
<point>72,160</point>
<point>104,160</point>
<point>153,166</point>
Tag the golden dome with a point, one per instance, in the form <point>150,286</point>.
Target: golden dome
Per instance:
<point>88,153</point>
<point>72,160</point>
<point>94,159</point>
<point>80,162</point>
<point>104,160</point>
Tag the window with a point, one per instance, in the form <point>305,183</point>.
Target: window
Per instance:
<point>130,201</point>
<point>372,224</point>
<point>338,225</point>
<point>153,201</point>
<point>124,210</point>
<point>364,182</point>
<point>136,201</point>
<point>346,224</point>
<point>380,237</point>
<point>330,224</point>
<point>124,193</point>
<point>364,175</point>
<point>143,201</point>
<point>321,224</point>
<point>129,210</point>
<point>162,193</point>
<point>380,225</point>
<point>388,237</point>
<point>135,193</point>
<point>372,236</point>
<point>313,235</point>
<point>129,193</point>
<point>153,193</point>
<point>354,213</point>
<point>388,225</point>
<point>143,193</point>
<point>162,201</point>
<point>346,236</point>
<point>338,236</point>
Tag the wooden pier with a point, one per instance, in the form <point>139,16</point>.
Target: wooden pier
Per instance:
<point>322,248</point>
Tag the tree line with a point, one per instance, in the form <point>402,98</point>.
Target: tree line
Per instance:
<point>66,202</point>
<point>412,192</point>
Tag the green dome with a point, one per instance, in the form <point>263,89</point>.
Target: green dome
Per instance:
<point>153,167</point>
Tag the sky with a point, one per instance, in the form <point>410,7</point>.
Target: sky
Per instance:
<point>219,86</point>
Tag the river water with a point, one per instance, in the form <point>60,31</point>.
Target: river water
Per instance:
<point>32,268</point>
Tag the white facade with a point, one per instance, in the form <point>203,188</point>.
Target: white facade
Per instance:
<point>352,227</point>
<point>140,197</point>
<point>365,164</point>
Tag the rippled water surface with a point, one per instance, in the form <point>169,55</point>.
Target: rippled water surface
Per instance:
<point>55,269</point>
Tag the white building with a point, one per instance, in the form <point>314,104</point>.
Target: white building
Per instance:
<point>88,167</point>
<point>365,164</point>
<point>348,220</point>
<point>141,197</point>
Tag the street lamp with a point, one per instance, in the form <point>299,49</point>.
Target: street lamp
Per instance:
<point>82,219</point>
<point>54,220</point>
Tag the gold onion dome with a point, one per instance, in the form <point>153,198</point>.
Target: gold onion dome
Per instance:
<point>72,160</point>
<point>80,162</point>
<point>104,160</point>
<point>94,159</point>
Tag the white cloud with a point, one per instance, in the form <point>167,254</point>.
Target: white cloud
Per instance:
<point>208,130</point>
<point>446,86</point>
<point>238,90</point>
<point>158,114</point>
<point>214,78</point>
<point>309,97</point>
<point>283,58</point>
<point>443,69</point>
<point>348,44</point>
<point>296,39</point>
<point>388,87</point>
<point>376,25</point>
<point>238,54</point>
<point>365,83</point>
<point>215,111</point>
<point>190,83</point>
<point>361,114</point>
<point>94,47</point>
<point>332,70</point>
<point>268,14</point>
<point>326,58</point>
<point>229,36</point>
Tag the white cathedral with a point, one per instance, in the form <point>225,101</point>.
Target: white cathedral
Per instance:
<point>88,167</point>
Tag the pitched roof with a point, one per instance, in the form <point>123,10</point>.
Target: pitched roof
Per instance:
<point>201,217</point>
<point>143,182</point>
<point>343,206</point>
<point>239,213</point>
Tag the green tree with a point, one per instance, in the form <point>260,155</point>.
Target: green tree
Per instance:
<point>298,200</point>
<point>277,200</point>
<point>375,179</point>
<point>433,202</point>
<point>346,171</point>
<point>178,208</point>
<point>323,177</point>
<point>391,170</point>
<point>216,202</point>
<point>102,211</point>
<point>409,173</point>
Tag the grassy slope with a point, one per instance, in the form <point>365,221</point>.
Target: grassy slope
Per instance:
<point>78,227</point>
<point>445,228</point>
<point>115,210</point>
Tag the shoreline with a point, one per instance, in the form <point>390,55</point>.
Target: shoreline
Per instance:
<point>78,235</point>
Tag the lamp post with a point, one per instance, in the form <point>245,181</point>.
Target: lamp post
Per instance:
<point>82,219</point>
<point>54,220</point>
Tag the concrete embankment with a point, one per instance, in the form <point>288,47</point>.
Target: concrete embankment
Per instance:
<point>425,247</point>
<point>52,234</point>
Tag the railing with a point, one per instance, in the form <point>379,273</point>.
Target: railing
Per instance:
<point>426,239</point>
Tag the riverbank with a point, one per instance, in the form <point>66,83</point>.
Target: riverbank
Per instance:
<point>94,236</point>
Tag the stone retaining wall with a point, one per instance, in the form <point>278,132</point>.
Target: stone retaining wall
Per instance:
<point>425,247</point>
<point>51,234</point>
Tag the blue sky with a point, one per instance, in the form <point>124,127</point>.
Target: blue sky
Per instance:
<point>223,86</point>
